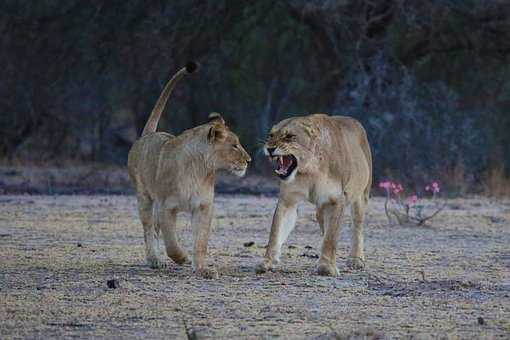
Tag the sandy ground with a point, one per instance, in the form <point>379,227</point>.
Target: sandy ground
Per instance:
<point>57,252</point>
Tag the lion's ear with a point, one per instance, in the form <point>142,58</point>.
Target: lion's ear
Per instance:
<point>216,117</point>
<point>217,133</point>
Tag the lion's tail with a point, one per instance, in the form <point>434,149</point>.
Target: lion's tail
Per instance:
<point>152,122</point>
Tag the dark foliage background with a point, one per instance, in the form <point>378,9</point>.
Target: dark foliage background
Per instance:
<point>430,80</point>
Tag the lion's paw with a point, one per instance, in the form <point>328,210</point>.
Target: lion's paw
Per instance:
<point>180,259</point>
<point>264,267</point>
<point>327,269</point>
<point>207,273</point>
<point>356,263</point>
<point>155,263</point>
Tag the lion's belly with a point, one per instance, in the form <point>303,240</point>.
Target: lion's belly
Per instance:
<point>325,191</point>
<point>359,179</point>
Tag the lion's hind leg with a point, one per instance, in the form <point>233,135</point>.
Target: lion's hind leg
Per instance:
<point>145,209</point>
<point>332,213</point>
<point>167,220</point>
<point>358,209</point>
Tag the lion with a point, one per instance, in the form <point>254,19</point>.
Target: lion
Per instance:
<point>177,173</point>
<point>327,161</point>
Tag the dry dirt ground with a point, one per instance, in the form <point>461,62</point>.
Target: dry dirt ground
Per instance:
<point>451,279</point>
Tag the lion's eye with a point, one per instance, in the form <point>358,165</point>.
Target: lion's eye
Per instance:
<point>271,135</point>
<point>235,146</point>
<point>290,136</point>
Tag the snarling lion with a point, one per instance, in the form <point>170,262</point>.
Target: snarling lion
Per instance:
<point>177,173</point>
<point>327,161</point>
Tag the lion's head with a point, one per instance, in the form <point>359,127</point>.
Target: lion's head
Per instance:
<point>291,146</point>
<point>227,152</point>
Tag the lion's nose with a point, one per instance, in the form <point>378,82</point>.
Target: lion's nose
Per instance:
<point>270,150</point>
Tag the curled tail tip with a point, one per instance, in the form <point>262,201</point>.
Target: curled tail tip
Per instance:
<point>192,66</point>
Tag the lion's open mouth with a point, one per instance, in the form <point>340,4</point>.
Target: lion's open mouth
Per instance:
<point>284,165</point>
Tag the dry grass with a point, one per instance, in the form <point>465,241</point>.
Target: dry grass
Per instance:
<point>72,177</point>
<point>57,253</point>
<point>454,178</point>
<point>496,183</point>
<point>104,179</point>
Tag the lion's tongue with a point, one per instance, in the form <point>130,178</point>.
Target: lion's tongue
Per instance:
<point>283,163</point>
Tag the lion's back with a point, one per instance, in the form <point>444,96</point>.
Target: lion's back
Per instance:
<point>352,143</point>
<point>356,132</point>
<point>143,158</point>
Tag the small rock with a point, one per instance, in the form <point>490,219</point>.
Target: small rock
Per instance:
<point>495,219</point>
<point>79,245</point>
<point>308,247</point>
<point>292,246</point>
<point>248,244</point>
<point>112,283</point>
<point>312,256</point>
<point>481,320</point>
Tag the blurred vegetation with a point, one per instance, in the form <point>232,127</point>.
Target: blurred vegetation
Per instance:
<point>430,80</point>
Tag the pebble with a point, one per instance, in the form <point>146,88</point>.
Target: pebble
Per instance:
<point>481,320</point>
<point>112,283</point>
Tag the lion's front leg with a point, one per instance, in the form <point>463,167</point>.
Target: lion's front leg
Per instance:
<point>201,219</point>
<point>284,220</point>
<point>332,215</point>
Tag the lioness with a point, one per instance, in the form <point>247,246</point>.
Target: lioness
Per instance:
<point>177,173</point>
<point>327,161</point>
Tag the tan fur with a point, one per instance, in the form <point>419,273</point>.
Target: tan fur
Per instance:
<point>177,173</point>
<point>334,170</point>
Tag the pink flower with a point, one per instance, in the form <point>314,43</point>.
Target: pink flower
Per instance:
<point>397,188</point>
<point>385,185</point>
<point>412,199</point>
<point>435,187</point>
